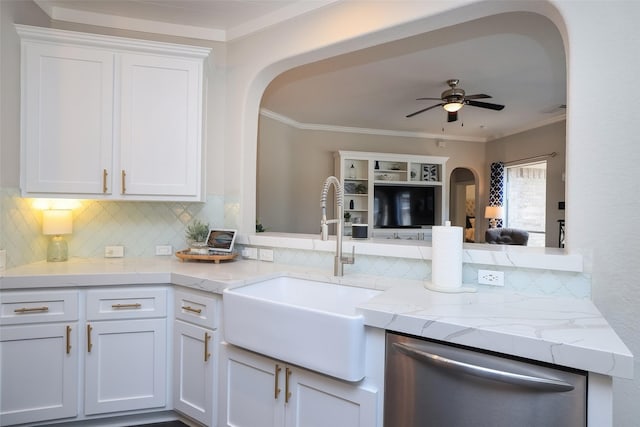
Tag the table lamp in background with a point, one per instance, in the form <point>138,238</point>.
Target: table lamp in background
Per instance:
<point>56,222</point>
<point>492,213</point>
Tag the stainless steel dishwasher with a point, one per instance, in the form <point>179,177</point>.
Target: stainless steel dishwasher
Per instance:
<point>430,384</point>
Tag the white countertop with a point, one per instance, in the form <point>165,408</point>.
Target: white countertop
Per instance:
<point>562,331</point>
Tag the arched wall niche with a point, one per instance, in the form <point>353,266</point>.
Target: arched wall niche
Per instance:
<point>266,69</point>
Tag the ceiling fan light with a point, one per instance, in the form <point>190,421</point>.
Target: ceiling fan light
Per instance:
<point>452,107</point>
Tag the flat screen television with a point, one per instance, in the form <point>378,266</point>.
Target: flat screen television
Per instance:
<point>402,206</point>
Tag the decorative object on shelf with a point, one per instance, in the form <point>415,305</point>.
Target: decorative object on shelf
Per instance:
<point>351,204</point>
<point>259,227</point>
<point>430,172</point>
<point>196,235</point>
<point>361,189</point>
<point>377,166</point>
<point>493,213</point>
<point>347,217</point>
<point>56,222</point>
<point>353,172</point>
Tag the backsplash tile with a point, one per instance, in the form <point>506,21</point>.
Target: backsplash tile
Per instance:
<point>524,280</point>
<point>138,226</point>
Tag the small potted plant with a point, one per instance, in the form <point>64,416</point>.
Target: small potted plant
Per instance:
<point>197,233</point>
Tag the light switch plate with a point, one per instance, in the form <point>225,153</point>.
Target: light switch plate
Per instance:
<point>266,255</point>
<point>113,251</point>
<point>164,249</point>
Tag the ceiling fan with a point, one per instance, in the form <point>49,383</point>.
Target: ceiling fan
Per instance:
<point>454,98</point>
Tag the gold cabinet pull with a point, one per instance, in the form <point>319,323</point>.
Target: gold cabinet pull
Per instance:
<point>276,391</point>
<point>89,345</point>
<point>68,339</point>
<point>207,355</point>
<point>124,188</point>
<point>192,310</point>
<point>121,306</point>
<point>287,392</point>
<point>104,180</point>
<point>25,310</point>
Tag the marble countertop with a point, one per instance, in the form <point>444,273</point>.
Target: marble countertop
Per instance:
<point>563,331</point>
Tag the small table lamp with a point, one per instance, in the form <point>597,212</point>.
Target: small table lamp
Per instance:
<point>56,223</point>
<point>492,213</point>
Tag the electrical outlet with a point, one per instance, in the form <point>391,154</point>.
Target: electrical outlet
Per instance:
<point>250,253</point>
<point>164,249</point>
<point>490,277</point>
<point>113,251</point>
<point>266,255</point>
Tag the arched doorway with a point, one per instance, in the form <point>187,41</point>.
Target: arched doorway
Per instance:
<point>463,201</point>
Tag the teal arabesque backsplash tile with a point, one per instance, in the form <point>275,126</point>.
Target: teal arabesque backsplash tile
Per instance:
<point>140,226</point>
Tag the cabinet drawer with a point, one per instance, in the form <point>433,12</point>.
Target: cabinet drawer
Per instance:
<point>136,303</point>
<point>196,308</point>
<point>37,307</point>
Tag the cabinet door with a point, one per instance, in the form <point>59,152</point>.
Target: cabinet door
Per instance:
<point>160,126</point>
<point>67,119</point>
<point>320,401</point>
<point>39,365</point>
<point>125,365</point>
<point>194,361</point>
<point>252,388</point>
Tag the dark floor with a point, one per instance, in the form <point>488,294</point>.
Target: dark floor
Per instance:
<point>165,424</point>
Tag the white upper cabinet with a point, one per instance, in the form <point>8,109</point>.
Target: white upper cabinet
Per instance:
<point>111,118</point>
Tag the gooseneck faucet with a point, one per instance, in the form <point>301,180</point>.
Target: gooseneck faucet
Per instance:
<point>339,260</point>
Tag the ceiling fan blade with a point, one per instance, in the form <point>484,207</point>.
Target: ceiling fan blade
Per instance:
<point>477,96</point>
<point>423,110</point>
<point>488,105</point>
<point>452,117</point>
<point>428,99</point>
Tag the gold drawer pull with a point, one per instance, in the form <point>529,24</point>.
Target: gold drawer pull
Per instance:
<point>287,393</point>
<point>193,310</point>
<point>124,175</point>
<point>119,306</point>
<point>104,180</point>
<point>89,345</point>
<point>207,355</point>
<point>68,339</point>
<point>277,390</point>
<point>24,310</point>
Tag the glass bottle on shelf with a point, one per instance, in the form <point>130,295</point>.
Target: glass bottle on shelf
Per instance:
<point>351,204</point>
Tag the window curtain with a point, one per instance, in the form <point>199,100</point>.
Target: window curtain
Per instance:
<point>496,187</point>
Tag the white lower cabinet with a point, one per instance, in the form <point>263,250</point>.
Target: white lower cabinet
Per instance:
<point>195,357</point>
<point>39,373</point>
<point>38,356</point>
<point>125,356</point>
<point>260,391</point>
<point>125,365</point>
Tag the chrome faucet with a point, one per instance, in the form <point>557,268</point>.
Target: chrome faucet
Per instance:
<point>339,260</point>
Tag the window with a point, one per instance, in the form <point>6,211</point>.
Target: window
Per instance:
<point>526,200</point>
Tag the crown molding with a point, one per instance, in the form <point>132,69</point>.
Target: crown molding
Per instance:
<point>385,132</point>
<point>366,131</point>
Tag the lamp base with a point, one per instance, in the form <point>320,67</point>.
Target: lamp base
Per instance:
<point>57,250</point>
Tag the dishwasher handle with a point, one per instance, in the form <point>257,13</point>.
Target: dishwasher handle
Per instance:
<point>543,384</point>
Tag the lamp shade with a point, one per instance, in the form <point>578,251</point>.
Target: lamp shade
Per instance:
<point>492,212</point>
<point>57,222</point>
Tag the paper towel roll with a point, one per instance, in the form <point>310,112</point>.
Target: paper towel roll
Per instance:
<point>446,257</point>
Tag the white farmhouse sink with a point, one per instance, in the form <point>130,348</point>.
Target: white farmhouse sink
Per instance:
<point>307,323</point>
